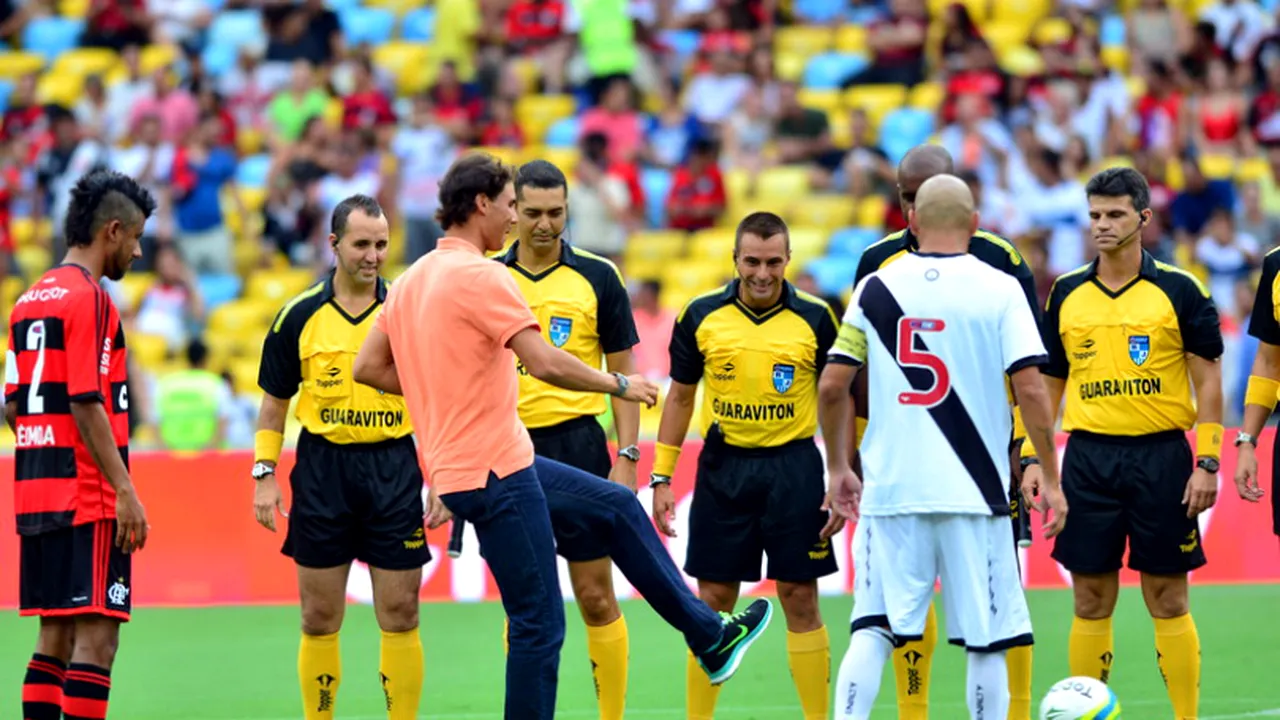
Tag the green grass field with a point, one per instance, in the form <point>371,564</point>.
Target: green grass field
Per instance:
<point>239,663</point>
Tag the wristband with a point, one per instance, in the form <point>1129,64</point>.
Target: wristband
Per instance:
<point>1209,440</point>
<point>1019,428</point>
<point>267,445</point>
<point>1261,391</point>
<point>664,459</point>
<point>859,429</point>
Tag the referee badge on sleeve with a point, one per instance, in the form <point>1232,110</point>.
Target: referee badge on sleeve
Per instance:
<point>783,377</point>
<point>559,329</point>
<point>1139,348</point>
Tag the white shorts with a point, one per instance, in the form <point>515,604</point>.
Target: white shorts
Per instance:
<point>897,560</point>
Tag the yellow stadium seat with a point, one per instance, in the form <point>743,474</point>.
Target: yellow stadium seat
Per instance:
<point>12,287</point>
<point>789,66</point>
<point>684,281</point>
<point>86,61</point>
<point>977,8</point>
<point>34,259</point>
<point>738,184</point>
<point>1022,61</point>
<point>876,100</point>
<point>927,96</point>
<point>536,113</point>
<point>237,316</point>
<point>134,286</point>
<point>253,198</point>
<point>1136,85</point>
<point>393,271</point>
<point>1116,58</point>
<point>23,231</point>
<point>1051,31</point>
<point>244,373</point>
<point>155,57</point>
<point>828,212</point>
<point>1253,169</point>
<point>565,158</point>
<point>714,245</point>
<point>510,156</point>
<point>803,40</point>
<point>783,183</point>
<point>528,71</point>
<point>250,141</point>
<point>1217,167</point>
<point>662,246</point>
<point>1004,35</point>
<point>1173,176</point>
<point>148,350</point>
<point>406,61</point>
<point>808,242</point>
<point>871,211</point>
<point>842,129</point>
<point>851,39</point>
<point>1024,12</point>
<point>14,65</point>
<point>276,288</point>
<point>824,100</point>
<point>59,88</point>
<point>643,269</point>
<point>73,8</point>
<point>399,7</point>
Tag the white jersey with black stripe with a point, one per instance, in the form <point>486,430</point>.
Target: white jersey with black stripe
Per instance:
<point>939,333</point>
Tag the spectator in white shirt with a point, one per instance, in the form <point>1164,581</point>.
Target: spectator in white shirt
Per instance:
<point>713,96</point>
<point>1228,256</point>
<point>150,162</point>
<point>423,152</point>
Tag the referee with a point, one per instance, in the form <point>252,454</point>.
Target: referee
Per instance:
<point>1135,346</point>
<point>581,305</point>
<point>912,662</point>
<point>759,344</point>
<point>357,488</point>
<point>1260,393</point>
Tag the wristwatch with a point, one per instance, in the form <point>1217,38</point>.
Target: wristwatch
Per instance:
<point>656,480</point>
<point>630,452</point>
<point>1244,437</point>
<point>623,384</point>
<point>1209,465</point>
<point>261,470</point>
<point>1027,462</point>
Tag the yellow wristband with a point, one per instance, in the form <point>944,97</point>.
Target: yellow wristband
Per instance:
<point>1261,391</point>
<point>859,429</point>
<point>1209,440</point>
<point>664,459</point>
<point>267,445</point>
<point>1019,428</point>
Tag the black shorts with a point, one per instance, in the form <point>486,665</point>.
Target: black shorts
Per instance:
<point>1275,484</point>
<point>77,570</point>
<point>579,443</point>
<point>749,502</point>
<point>1128,488</point>
<point>356,502</point>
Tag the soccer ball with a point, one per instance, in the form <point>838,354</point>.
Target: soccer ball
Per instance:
<point>1080,698</point>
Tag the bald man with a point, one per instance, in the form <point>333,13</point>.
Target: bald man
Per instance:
<point>912,662</point>
<point>944,329</point>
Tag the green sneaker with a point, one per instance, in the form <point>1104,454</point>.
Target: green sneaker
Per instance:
<point>740,630</point>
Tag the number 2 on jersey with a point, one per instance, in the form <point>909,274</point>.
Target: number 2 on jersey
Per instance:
<point>908,356</point>
<point>35,342</point>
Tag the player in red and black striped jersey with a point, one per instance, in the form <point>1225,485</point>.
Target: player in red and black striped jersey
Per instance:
<point>78,515</point>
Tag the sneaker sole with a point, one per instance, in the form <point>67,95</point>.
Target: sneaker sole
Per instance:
<point>735,658</point>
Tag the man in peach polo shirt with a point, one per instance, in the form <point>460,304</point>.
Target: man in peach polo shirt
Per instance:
<point>458,322</point>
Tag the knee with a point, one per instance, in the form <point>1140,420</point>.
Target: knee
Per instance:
<point>1167,599</point>
<point>597,603</point>
<point>800,605</point>
<point>718,596</point>
<point>57,639</point>
<point>321,619</point>
<point>1095,598</point>
<point>98,647</point>
<point>399,614</point>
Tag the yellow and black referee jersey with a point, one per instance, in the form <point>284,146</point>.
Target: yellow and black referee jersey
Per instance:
<point>583,308</point>
<point>1264,323</point>
<point>1123,353</point>
<point>312,344</point>
<point>761,367</point>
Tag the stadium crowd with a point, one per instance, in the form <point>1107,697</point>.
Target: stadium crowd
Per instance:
<point>251,119</point>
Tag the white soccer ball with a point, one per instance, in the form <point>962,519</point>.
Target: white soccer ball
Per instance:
<point>1080,698</point>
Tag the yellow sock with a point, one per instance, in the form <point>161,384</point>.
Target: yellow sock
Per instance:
<point>809,655</point>
<point>607,646</point>
<point>320,674</point>
<point>700,695</point>
<point>506,635</point>
<point>1089,652</point>
<point>401,670</point>
<point>1019,661</point>
<point>1178,655</point>
<point>911,664</point>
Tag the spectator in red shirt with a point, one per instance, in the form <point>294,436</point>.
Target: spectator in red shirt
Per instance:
<point>367,107</point>
<point>24,115</point>
<point>535,28</point>
<point>212,104</point>
<point>502,130</point>
<point>459,106</point>
<point>697,196</point>
<point>1162,114</point>
<point>116,23</point>
<point>898,42</point>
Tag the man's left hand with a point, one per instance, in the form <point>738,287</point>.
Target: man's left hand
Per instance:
<point>624,473</point>
<point>1201,492</point>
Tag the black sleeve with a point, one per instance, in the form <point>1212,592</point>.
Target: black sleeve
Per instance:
<point>1198,321</point>
<point>826,333</point>
<point>1262,323</point>
<point>1027,279</point>
<point>280,371</point>
<point>616,323</point>
<point>1057,366</point>
<point>686,357</point>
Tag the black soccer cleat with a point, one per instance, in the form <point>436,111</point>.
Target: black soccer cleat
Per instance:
<point>740,630</point>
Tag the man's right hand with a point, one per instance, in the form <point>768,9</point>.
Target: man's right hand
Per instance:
<point>1247,474</point>
<point>131,520</point>
<point>641,390</point>
<point>664,509</point>
<point>266,500</point>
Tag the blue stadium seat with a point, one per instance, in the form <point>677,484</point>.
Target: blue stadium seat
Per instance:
<point>851,242</point>
<point>833,275</point>
<point>6,89</point>
<point>1112,31</point>
<point>657,184</point>
<point>218,289</point>
<point>340,5</point>
<point>419,24</point>
<point>51,36</point>
<point>818,11</point>
<point>903,129</point>
<point>864,14</point>
<point>683,42</point>
<point>564,133</point>
<point>367,25</point>
<point>829,70</point>
<point>237,28</point>
<point>219,59</point>
<point>252,171</point>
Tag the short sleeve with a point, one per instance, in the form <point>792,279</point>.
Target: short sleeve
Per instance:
<point>10,371</point>
<point>1057,366</point>
<point>280,372</point>
<point>827,334</point>
<point>1021,346</point>
<point>1027,283</point>
<point>617,324</point>
<point>687,362</point>
<point>84,332</point>
<point>850,346</point>
<point>1198,320</point>
<point>505,311</point>
<point>1263,323</point>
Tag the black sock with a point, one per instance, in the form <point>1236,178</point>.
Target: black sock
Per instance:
<point>42,688</point>
<point>84,697</point>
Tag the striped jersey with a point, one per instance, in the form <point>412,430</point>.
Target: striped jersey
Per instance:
<point>66,344</point>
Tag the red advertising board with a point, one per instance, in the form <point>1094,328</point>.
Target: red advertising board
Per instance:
<point>206,549</point>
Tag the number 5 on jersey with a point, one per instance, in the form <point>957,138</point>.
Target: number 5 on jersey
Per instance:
<point>909,357</point>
